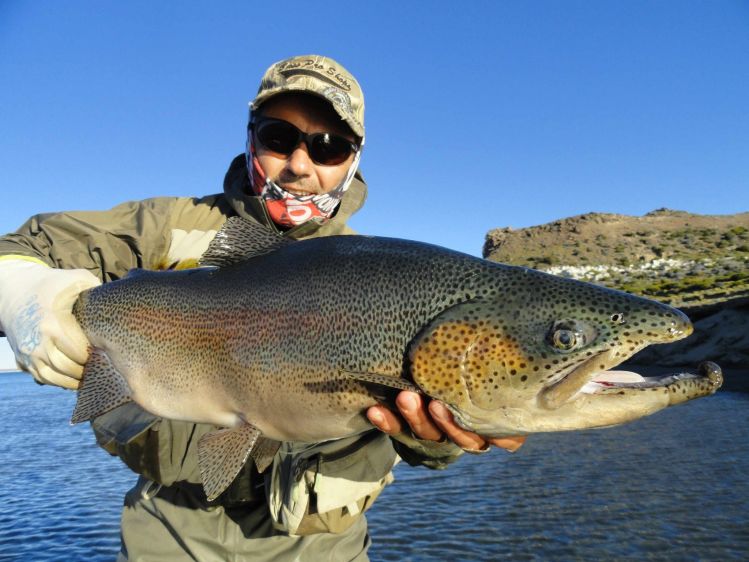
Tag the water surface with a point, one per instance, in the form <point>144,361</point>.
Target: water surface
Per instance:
<point>673,486</point>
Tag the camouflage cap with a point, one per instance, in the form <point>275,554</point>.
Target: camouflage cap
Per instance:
<point>320,76</point>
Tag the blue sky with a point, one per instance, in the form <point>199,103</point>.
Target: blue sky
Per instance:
<point>479,114</point>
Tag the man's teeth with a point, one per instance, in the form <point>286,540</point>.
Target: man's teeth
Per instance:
<point>296,191</point>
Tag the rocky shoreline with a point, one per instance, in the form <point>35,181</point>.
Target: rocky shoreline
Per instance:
<point>698,263</point>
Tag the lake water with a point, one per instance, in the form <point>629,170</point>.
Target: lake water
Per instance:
<point>674,486</point>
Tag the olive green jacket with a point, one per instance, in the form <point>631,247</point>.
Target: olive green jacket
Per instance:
<point>174,232</point>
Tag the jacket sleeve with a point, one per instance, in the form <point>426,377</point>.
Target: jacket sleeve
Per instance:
<point>136,234</point>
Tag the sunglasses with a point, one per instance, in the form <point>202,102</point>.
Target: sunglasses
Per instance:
<point>282,137</point>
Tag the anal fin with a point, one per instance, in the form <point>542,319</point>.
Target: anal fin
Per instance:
<point>222,453</point>
<point>102,388</point>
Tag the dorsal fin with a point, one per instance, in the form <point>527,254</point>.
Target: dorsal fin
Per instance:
<point>240,239</point>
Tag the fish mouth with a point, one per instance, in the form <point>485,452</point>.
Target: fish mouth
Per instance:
<point>612,380</point>
<point>569,386</point>
<point>594,377</point>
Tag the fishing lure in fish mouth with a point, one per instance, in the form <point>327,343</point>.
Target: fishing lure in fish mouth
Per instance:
<point>278,340</point>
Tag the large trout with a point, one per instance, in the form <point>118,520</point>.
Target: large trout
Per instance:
<point>292,341</point>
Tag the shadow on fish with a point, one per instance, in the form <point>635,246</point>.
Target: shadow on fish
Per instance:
<point>278,340</point>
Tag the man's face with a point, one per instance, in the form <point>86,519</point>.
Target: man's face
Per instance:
<point>297,173</point>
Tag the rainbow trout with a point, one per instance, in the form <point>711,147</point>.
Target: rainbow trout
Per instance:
<point>280,340</point>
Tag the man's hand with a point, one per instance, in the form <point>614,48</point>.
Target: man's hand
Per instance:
<point>36,304</point>
<point>433,422</point>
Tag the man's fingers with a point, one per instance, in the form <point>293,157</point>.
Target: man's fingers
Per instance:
<point>468,440</point>
<point>61,363</point>
<point>384,420</point>
<point>510,444</point>
<point>45,374</point>
<point>464,439</point>
<point>411,407</point>
<point>73,342</point>
<point>433,423</point>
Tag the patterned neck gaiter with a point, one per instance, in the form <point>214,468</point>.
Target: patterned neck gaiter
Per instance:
<point>287,209</point>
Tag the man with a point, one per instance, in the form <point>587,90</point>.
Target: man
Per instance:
<point>299,176</point>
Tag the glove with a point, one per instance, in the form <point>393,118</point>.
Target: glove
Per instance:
<point>36,305</point>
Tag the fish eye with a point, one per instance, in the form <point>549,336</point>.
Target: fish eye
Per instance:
<point>564,340</point>
<point>568,335</point>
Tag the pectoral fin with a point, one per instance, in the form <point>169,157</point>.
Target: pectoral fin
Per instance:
<point>222,453</point>
<point>383,380</point>
<point>102,388</point>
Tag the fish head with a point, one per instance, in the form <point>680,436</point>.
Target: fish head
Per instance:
<point>538,356</point>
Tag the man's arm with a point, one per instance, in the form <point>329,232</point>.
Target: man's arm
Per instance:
<point>45,264</point>
<point>51,258</point>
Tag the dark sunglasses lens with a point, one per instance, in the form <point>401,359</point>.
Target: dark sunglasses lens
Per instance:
<point>283,138</point>
<point>278,136</point>
<point>329,149</point>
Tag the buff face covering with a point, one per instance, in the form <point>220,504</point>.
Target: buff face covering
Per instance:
<point>287,209</point>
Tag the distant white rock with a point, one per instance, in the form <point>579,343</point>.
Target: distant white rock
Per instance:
<point>604,272</point>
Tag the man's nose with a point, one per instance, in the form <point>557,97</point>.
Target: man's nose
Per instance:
<point>299,162</point>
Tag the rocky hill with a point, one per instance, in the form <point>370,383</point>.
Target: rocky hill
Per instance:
<point>699,263</point>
